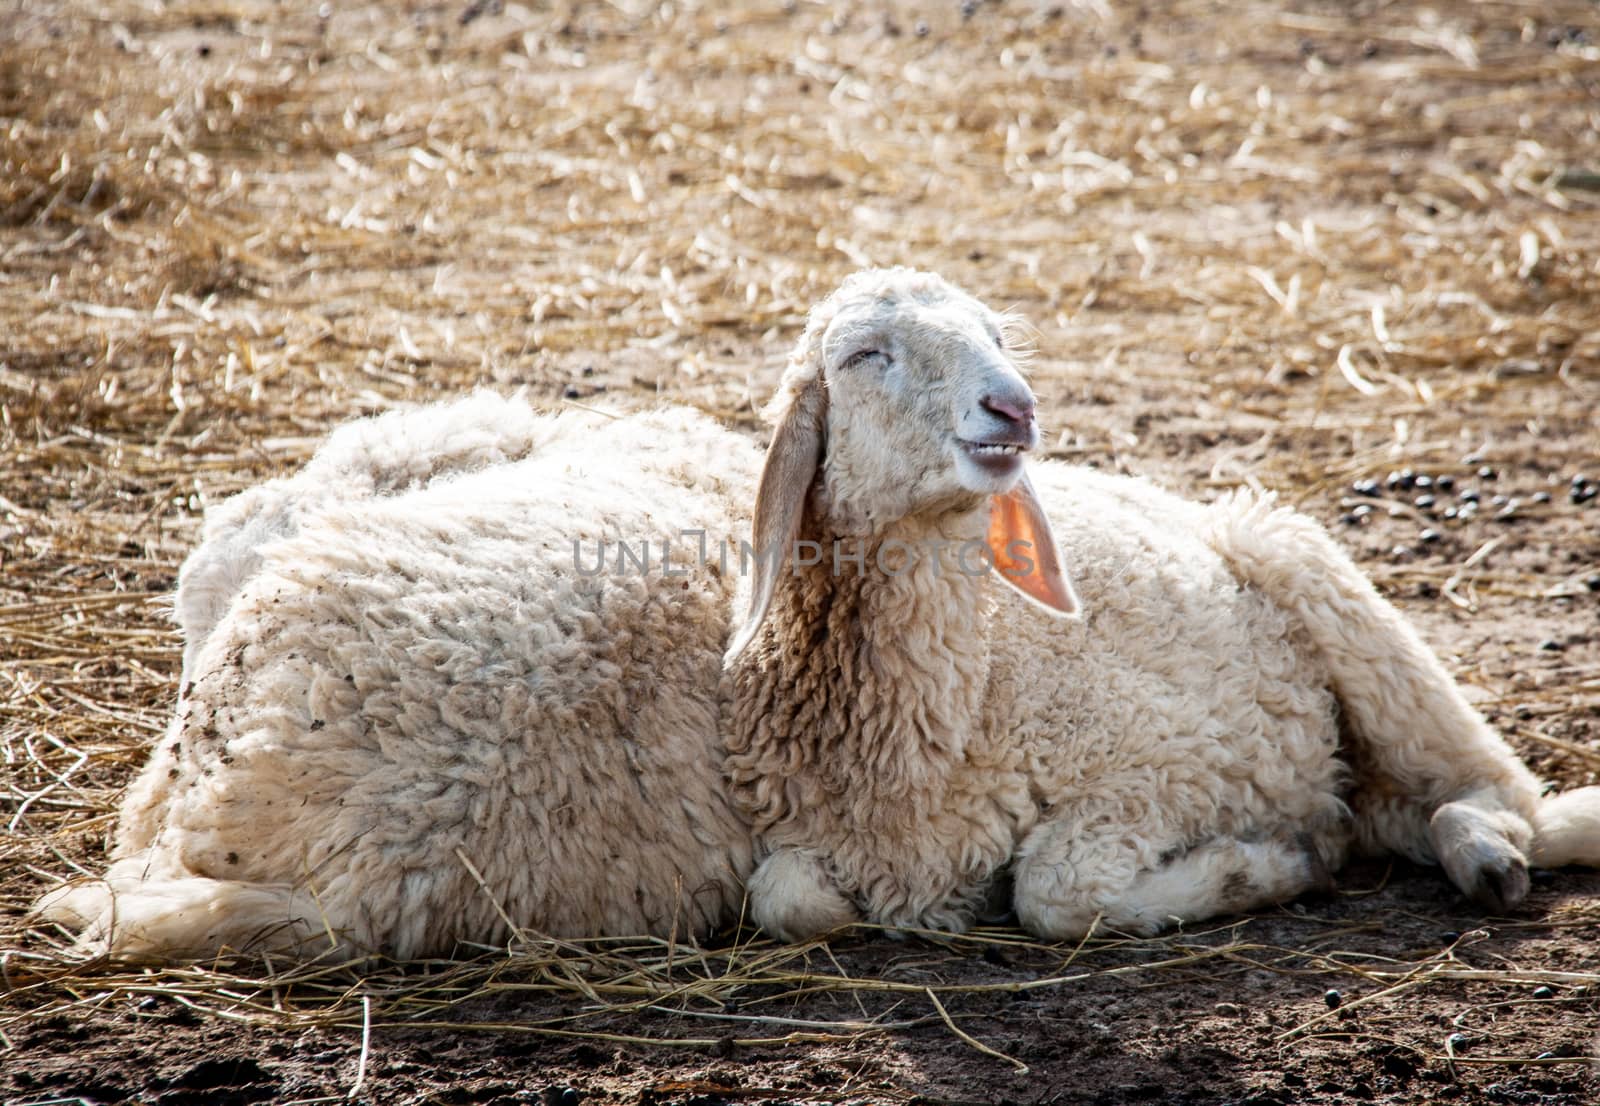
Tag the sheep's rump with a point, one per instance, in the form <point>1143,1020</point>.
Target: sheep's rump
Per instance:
<point>426,717</point>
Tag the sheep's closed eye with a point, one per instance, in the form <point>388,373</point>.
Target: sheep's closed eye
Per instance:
<point>867,359</point>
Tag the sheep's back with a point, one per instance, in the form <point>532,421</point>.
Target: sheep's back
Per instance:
<point>388,454</point>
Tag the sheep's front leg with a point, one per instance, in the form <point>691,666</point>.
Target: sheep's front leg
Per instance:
<point>1481,846</point>
<point>1067,879</point>
<point>793,897</point>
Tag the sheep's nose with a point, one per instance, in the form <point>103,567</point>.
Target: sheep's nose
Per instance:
<point>1013,409</point>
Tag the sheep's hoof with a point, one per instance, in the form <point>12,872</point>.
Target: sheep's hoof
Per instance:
<point>1500,885</point>
<point>1476,850</point>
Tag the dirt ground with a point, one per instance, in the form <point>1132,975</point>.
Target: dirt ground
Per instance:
<point>1346,250</point>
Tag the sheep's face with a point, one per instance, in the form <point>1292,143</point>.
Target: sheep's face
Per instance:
<point>902,400</point>
<point>925,407</point>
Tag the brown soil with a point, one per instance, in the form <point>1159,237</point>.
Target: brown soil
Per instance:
<point>1234,1014</point>
<point>1302,245</point>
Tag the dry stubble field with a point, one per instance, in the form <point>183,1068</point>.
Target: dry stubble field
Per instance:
<point>1301,245</point>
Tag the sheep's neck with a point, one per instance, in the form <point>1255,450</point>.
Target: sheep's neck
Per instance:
<point>870,674</point>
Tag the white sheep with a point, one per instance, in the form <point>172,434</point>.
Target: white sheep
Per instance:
<point>409,718</point>
<point>1232,710</point>
<point>414,714</point>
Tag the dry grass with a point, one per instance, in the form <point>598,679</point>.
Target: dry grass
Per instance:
<point>735,996</point>
<point>1286,244</point>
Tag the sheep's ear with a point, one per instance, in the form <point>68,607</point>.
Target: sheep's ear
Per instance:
<point>1025,553</point>
<point>791,465</point>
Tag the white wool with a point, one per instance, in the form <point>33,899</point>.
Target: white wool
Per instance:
<point>410,719</point>
<point>385,455</point>
<point>1235,711</point>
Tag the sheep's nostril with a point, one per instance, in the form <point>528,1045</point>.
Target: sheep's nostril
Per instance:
<point>1019,412</point>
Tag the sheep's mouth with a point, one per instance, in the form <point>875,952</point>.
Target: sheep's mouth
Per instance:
<point>996,457</point>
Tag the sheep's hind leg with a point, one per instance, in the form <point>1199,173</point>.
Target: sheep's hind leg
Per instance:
<point>1067,884</point>
<point>1433,781</point>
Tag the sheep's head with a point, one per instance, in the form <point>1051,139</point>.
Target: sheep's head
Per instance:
<point>901,399</point>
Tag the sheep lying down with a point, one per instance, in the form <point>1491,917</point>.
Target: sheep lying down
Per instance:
<point>410,718</point>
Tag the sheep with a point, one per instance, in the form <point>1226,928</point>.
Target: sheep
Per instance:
<point>1228,711</point>
<point>409,717</point>
<point>414,714</point>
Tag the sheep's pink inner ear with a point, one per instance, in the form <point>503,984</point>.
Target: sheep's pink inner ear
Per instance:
<point>1024,549</point>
